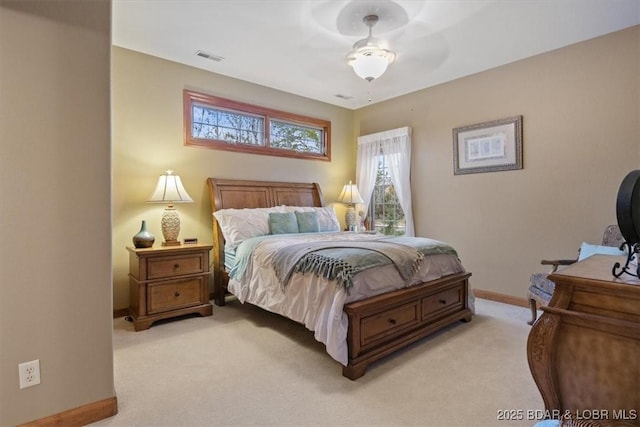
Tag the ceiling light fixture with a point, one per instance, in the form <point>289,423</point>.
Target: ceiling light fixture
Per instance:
<point>368,59</point>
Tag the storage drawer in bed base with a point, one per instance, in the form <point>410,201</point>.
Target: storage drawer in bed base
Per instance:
<point>380,325</point>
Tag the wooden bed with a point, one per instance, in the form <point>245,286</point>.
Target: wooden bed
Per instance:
<point>377,326</point>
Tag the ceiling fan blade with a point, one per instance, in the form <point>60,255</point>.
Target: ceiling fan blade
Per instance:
<point>427,54</point>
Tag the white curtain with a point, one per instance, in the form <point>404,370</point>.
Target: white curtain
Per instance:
<point>395,145</point>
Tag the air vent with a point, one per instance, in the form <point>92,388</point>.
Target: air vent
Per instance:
<point>209,56</point>
<point>346,97</point>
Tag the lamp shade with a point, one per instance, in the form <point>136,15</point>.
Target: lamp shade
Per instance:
<point>170,190</point>
<point>350,194</point>
<point>370,67</point>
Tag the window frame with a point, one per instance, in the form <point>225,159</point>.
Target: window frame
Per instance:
<point>190,98</point>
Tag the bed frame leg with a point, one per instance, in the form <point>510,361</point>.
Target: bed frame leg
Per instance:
<point>219,294</point>
<point>219,299</point>
<point>353,372</point>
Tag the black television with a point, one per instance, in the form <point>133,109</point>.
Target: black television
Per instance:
<point>628,215</point>
<point>628,207</point>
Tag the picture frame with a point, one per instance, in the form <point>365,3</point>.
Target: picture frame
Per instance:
<point>488,147</point>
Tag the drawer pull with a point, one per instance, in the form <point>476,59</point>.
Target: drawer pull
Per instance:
<point>393,321</point>
<point>177,294</point>
<point>442,301</point>
<point>176,266</point>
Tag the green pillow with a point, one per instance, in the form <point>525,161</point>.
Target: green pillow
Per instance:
<point>307,222</point>
<point>282,223</point>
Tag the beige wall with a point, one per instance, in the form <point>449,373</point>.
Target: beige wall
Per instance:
<point>581,108</point>
<point>581,136</point>
<point>148,139</point>
<point>55,217</point>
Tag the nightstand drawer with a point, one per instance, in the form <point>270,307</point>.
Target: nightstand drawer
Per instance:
<point>175,294</point>
<point>160,267</point>
<point>383,324</point>
<point>442,302</point>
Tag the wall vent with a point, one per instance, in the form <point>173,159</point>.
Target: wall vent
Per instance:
<point>210,56</point>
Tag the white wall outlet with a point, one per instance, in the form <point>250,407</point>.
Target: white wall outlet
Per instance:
<point>29,373</point>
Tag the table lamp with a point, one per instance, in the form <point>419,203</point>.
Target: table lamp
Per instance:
<point>350,195</point>
<point>170,190</point>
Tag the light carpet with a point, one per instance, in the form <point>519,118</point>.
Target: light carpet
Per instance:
<point>247,367</point>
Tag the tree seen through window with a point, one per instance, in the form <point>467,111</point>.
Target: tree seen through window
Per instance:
<point>385,213</point>
<point>223,124</point>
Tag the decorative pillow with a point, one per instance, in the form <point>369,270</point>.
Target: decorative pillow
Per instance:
<point>327,219</point>
<point>307,222</point>
<point>283,223</point>
<point>240,224</point>
<point>586,250</point>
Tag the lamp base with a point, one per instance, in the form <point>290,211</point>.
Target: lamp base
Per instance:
<point>350,218</point>
<point>170,226</point>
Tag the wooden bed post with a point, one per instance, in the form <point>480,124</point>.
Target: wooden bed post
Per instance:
<point>219,275</point>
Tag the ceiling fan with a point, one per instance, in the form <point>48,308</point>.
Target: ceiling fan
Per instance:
<point>368,59</point>
<point>404,36</point>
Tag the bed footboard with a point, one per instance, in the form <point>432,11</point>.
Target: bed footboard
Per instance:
<point>383,324</point>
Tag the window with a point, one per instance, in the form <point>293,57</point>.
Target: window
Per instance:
<point>383,173</point>
<point>223,124</point>
<point>385,213</point>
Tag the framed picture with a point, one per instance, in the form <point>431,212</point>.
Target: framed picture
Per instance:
<point>488,147</point>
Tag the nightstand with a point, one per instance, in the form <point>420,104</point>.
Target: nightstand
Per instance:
<point>168,281</point>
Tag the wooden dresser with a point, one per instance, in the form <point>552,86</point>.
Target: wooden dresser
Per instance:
<point>584,351</point>
<point>168,281</point>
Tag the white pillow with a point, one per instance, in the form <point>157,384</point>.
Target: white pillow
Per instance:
<point>327,219</point>
<point>240,224</point>
<point>586,250</point>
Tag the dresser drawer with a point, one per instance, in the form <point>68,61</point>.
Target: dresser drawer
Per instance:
<point>174,294</point>
<point>170,266</point>
<point>380,325</point>
<point>442,302</point>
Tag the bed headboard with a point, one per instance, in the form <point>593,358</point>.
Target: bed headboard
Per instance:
<point>238,194</point>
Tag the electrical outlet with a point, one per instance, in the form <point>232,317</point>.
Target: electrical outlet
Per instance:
<point>29,373</point>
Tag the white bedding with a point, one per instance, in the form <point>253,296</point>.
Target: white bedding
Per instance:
<point>318,303</point>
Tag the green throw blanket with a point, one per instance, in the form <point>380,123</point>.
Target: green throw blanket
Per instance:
<point>341,260</point>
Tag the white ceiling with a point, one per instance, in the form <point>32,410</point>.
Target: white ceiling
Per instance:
<point>300,46</point>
